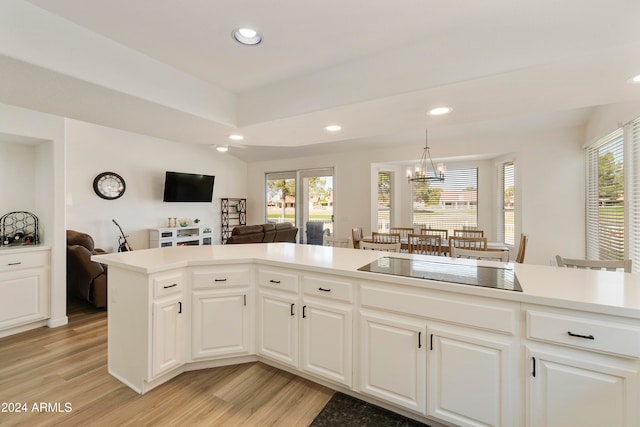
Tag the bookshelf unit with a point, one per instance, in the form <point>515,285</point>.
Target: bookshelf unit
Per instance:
<point>193,235</point>
<point>233,213</point>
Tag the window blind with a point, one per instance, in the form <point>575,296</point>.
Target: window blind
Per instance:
<point>634,222</point>
<point>605,198</point>
<point>508,203</point>
<point>384,200</point>
<point>451,205</point>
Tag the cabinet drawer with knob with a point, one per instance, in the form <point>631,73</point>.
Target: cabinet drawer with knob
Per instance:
<point>278,279</point>
<point>600,333</point>
<point>167,285</point>
<point>328,287</point>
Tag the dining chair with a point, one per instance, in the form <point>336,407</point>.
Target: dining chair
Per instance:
<point>424,244</point>
<point>468,233</point>
<point>479,254</point>
<point>385,247</point>
<point>589,264</point>
<point>356,236</point>
<point>402,231</point>
<point>443,233</point>
<point>524,239</point>
<point>378,237</point>
<point>336,242</point>
<point>479,243</point>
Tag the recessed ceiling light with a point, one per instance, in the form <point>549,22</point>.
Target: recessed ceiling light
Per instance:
<point>222,148</point>
<point>333,128</point>
<point>236,137</point>
<point>439,111</point>
<point>246,36</point>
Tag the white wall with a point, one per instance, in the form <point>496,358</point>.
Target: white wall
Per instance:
<point>142,162</point>
<point>43,188</point>
<point>17,166</point>
<point>550,174</point>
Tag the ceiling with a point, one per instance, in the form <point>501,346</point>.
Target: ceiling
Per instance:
<point>172,70</point>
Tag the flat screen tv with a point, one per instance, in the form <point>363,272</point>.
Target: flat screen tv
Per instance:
<point>188,187</point>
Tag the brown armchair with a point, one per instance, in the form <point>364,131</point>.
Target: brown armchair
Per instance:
<point>86,279</point>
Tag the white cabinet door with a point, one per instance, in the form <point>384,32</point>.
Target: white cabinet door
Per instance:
<point>470,377</point>
<point>220,324</point>
<point>393,359</point>
<point>327,346</point>
<point>24,297</point>
<point>278,327</point>
<point>167,336</point>
<point>569,387</point>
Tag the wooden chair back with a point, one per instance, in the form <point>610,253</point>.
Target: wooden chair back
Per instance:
<point>425,244</point>
<point>480,254</point>
<point>468,233</point>
<point>443,233</point>
<point>402,231</point>
<point>378,237</point>
<point>336,242</point>
<point>524,239</point>
<point>609,265</point>
<point>356,236</point>
<point>385,247</point>
<point>478,243</point>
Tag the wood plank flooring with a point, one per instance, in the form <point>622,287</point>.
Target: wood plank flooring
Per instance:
<point>61,376</point>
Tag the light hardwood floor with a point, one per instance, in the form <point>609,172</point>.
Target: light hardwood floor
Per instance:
<point>68,366</point>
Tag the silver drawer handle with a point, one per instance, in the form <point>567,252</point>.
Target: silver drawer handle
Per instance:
<point>588,337</point>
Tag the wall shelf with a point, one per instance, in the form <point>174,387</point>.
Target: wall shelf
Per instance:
<point>233,213</point>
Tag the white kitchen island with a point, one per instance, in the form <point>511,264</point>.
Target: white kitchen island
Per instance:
<point>564,351</point>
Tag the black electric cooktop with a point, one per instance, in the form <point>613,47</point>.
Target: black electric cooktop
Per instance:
<point>475,275</point>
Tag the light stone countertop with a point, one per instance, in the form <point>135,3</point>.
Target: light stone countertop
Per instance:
<point>604,292</point>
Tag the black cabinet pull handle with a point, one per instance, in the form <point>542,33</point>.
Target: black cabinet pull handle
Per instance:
<point>324,290</point>
<point>419,339</point>
<point>292,313</point>
<point>245,300</point>
<point>533,359</point>
<point>170,286</point>
<point>588,337</point>
<point>14,263</point>
<point>304,312</point>
<point>274,281</point>
<point>431,342</point>
<point>220,280</point>
<point>179,307</point>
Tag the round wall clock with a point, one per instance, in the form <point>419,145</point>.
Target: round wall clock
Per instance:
<point>109,185</point>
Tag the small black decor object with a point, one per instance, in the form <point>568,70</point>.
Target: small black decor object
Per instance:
<point>18,229</point>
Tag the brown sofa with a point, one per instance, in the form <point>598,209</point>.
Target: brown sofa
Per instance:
<point>86,279</point>
<point>263,233</point>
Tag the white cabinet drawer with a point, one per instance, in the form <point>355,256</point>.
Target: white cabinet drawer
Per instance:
<point>207,278</point>
<point>21,260</point>
<point>328,287</point>
<point>582,330</point>
<point>167,285</point>
<point>484,313</point>
<point>278,279</point>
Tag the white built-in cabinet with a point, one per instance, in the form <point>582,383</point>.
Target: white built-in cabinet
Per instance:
<point>24,289</point>
<point>168,324</point>
<point>582,369</point>
<point>221,312</point>
<point>464,360</point>
<point>308,327</point>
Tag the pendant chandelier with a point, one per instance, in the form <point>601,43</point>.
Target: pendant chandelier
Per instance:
<point>421,172</point>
